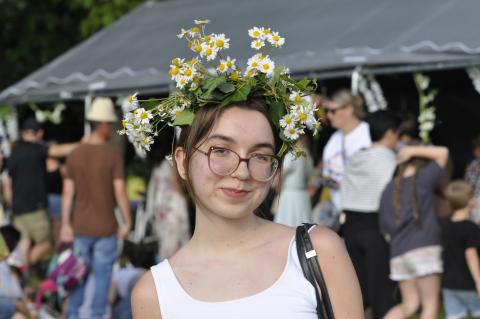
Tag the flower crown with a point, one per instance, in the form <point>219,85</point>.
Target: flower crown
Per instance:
<point>288,101</point>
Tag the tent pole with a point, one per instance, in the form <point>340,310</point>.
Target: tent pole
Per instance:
<point>88,103</point>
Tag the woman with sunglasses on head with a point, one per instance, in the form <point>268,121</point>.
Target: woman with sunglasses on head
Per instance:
<point>345,113</point>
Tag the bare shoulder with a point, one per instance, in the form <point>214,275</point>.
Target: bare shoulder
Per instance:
<point>144,298</point>
<point>340,277</point>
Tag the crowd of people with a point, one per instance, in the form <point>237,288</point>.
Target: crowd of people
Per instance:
<point>410,233</point>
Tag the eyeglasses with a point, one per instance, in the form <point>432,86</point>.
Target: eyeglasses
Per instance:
<point>334,110</point>
<point>223,162</point>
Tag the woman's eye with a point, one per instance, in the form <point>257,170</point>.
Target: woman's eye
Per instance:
<point>221,151</point>
<point>262,158</point>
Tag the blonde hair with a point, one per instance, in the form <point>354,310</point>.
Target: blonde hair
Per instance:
<point>459,193</point>
<point>344,97</point>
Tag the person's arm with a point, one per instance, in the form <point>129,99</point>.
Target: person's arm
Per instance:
<point>66,230</point>
<point>340,277</point>
<point>144,299</point>
<point>436,153</point>
<point>61,150</point>
<point>471,255</point>
<point>7,190</point>
<point>122,202</point>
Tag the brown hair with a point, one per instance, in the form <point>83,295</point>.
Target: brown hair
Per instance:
<point>344,97</point>
<point>205,118</point>
<point>418,163</point>
<point>459,193</point>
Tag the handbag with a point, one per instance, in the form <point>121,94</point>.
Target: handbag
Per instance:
<point>67,269</point>
<point>312,272</point>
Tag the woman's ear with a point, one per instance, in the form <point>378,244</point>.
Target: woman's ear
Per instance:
<point>180,162</point>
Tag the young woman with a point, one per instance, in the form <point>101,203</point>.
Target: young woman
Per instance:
<point>408,218</point>
<point>238,265</point>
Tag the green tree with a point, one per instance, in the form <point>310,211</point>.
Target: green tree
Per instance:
<point>35,32</point>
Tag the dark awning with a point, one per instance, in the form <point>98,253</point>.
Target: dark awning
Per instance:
<point>324,38</point>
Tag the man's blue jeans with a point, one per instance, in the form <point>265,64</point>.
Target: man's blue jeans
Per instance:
<point>100,253</point>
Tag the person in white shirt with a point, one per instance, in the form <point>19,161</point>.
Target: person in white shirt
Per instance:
<point>344,112</point>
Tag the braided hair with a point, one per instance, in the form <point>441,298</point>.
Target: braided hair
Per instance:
<point>418,164</point>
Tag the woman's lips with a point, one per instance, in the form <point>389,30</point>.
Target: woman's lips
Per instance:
<point>235,193</point>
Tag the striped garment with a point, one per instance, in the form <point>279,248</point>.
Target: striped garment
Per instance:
<point>366,174</point>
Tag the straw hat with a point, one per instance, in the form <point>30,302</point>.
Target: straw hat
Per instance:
<point>102,110</point>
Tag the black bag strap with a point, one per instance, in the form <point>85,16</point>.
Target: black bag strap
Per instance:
<point>312,272</point>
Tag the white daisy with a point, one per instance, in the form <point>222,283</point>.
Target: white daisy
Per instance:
<point>257,44</point>
<point>231,64</point>
<point>256,33</point>
<point>288,121</point>
<point>143,116</point>
<point>292,133</point>
<point>295,97</point>
<point>275,40</point>
<point>133,101</point>
<point>221,42</point>
<point>266,66</point>
<point>254,61</point>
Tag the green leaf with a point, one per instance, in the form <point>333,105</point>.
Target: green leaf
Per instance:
<point>276,75</point>
<point>241,94</point>
<point>184,118</point>
<point>276,111</point>
<point>212,83</point>
<point>150,103</point>
<point>226,87</point>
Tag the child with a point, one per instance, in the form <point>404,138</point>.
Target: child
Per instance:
<point>408,217</point>
<point>472,176</point>
<point>460,240</point>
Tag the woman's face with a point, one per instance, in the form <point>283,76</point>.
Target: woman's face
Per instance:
<point>338,115</point>
<point>237,195</point>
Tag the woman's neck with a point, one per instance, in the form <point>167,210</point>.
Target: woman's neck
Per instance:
<point>217,234</point>
<point>350,126</point>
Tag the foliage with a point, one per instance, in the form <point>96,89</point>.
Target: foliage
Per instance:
<point>201,81</point>
<point>35,32</point>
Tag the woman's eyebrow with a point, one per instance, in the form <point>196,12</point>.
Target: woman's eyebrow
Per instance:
<point>231,140</point>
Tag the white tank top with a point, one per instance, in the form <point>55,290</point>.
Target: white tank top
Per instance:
<point>290,297</point>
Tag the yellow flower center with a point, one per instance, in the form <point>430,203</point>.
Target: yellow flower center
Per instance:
<point>198,48</point>
<point>256,33</point>
<point>229,64</point>
<point>267,31</point>
<point>208,51</point>
<point>291,131</point>
<point>254,64</point>
<point>196,79</point>
<point>144,115</point>
<point>220,43</point>
<point>250,73</point>
<point>288,120</point>
<point>130,99</point>
<point>266,67</point>
<point>303,117</point>
<point>177,113</point>
<point>221,67</point>
<point>195,30</point>
<point>174,71</point>
<point>234,76</point>
<point>187,72</point>
<point>124,124</point>
<point>176,62</point>
<point>276,38</point>
<point>298,98</point>
<point>207,38</point>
